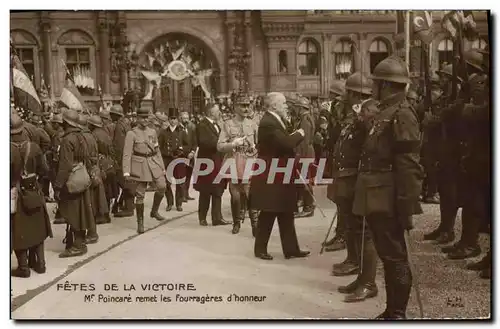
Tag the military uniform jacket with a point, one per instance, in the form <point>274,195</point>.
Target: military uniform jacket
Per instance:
<point>305,149</point>
<point>346,158</point>
<point>174,144</point>
<point>390,176</point>
<point>231,130</point>
<point>141,156</point>
<point>31,131</point>
<point>122,126</point>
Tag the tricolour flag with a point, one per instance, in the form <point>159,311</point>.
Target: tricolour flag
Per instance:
<point>25,95</point>
<point>71,96</point>
<point>422,25</point>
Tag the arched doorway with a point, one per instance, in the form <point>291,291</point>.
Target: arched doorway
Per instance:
<point>179,70</point>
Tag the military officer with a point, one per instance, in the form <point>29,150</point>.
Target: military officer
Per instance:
<point>142,162</point>
<point>389,180</point>
<point>358,89</point>
<point>305,151</point>
<point>122,126</point>
<point>190,131</point>
<point>174,144</point>
<point>237,140</point>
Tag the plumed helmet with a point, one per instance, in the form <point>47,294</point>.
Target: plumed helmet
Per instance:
<point>337,87</point>
<point>142,112</point>
<point>95,121</point>
<point>57,118</point>
<point>70,116</point>
<point>16,124</point>
<point>412,94</point>
<point>116,109</point>
<point>474,58</point>
<point>357,82</point>
<point>391,69</point>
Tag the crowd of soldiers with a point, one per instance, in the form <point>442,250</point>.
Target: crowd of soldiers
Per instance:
<point>380,142</point>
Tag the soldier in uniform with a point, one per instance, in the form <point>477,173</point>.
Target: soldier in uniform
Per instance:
<point>142,162</point>
<point>57,121</point>
<point>106,158</point>
<point>320,140</point>
<point>389,180</point>
<point>237,140</point>
<point>122,126</point>
<point>30,225</point>
<point>207,134</point>
<point>99,203</point>
<point>174,144</point>
<point>75,208</point>
<point>443,134</point>
<point>190,131</point>
<point>305,150</point>
<point>471,162</point>
<point>358,88</point>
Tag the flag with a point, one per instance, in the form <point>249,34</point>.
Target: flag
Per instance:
<point>25,95</point>
<point>451,22</point>
<point>469,24</point>
<point>422,25</point>
<point>71,96</point>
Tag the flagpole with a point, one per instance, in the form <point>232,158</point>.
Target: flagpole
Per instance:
<point>407,43</point>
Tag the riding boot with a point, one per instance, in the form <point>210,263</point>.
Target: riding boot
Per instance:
<point>156,205</point>
<point>254,214</point>
<point>236,212</point>
<point>129,209</point>
<point>139,210</point>
<point>22,270</point>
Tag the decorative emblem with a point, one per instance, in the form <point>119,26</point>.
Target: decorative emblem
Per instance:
<point>177,70</point>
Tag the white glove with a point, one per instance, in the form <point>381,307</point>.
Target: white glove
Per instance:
<point>300,131</point>
<point>238,142</point>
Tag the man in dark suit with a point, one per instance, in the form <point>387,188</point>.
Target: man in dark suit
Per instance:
<point>207,135</point>
<point>190,130</point>
<point>276,197</point>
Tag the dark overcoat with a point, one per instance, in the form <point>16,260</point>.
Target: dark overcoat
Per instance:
<point>75,208</point>
<point>275,143</point>
<point>29,226</point>
<point>207,137</point>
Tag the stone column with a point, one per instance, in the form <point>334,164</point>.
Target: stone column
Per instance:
<point>230,45</point>
<point>364,65</point>
<point>249,48</point>
<point>47,49</point>
<point>104,52</point>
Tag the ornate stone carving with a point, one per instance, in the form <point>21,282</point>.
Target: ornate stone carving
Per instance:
<point>45,21</point>
<point>75,37</point>
<point>281,38</point>
<point>282,28</point>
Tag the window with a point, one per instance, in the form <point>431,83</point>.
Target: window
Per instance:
<point>282,62</point>
<point>378,52</point>
<point>78,64</point>
<point>445,52</point>
<point>308,58</point>
<point>478,44</point>
<point>344,59</point>
<point>26,57</point>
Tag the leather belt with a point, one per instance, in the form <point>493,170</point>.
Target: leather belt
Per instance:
<point>144,155</point>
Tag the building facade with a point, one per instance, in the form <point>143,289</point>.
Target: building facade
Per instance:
<point>109,53</point>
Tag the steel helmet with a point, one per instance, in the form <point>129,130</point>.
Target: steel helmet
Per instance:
<point>70,116</point>
<point>82,120</point>
<point>391,69</point>
<point>116,109</point>
<point>412,94</point>
<point>448,71</point>
<point>57,118</point>
<point>474,58</point>
<point>303,102</point>
<point>104,114</point>
<point>95,121</point>
<point>357,82</point>
<point>337,87</point>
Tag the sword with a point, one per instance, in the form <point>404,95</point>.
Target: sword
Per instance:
<point>308,188</point>
<point>328,233</point>
<point>414,273</point>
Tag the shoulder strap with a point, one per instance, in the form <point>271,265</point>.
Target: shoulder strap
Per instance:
<point>26,153</point>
